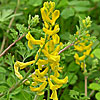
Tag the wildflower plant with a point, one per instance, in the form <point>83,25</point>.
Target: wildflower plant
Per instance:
<point>83,44</point>
<point>47,58</point>
<point>48,68</point>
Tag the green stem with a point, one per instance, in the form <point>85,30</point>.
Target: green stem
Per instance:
<point>48,84</point>
<point>36,97</point>
<point>48,93</point>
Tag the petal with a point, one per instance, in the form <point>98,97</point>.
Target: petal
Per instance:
<point>59,81</point>
<point>56,39</point>
<point>40,93</point>
<point>53,87</point>
<point>16,72</point>
<point>54,95</point>
<point>55,16</point>
<point>39,89</point>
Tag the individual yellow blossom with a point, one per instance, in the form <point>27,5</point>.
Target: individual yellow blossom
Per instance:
<point>51,58</point>
<point>55,16</point>
<point>79,48</point>
<point>40,88</point>
<point>54,95</point>
<point>38,79</point>
<point>82,58</point>
<point>89,46</point>
<point>41,74</point>
<point>56,38</point>
<point>46,25</point>
<point>82,65</point>
<point>51,32</point>
<point>53,88</point>
<point>77,62</point>
<point>21,65</point>
<point>40,63</point>
<point>76,56</point>
<point>87,52</point>
<point>34,83</point>
<point>87,34</point>
<point>91,55</point>
<point>40,93</point>
<point>56,73</point>
<point>32,41</point>
<point>17,72</point>
<point>59,81</point>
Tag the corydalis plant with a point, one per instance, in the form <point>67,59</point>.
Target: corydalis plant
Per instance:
<point>47,58</point>
<point>84,43</point>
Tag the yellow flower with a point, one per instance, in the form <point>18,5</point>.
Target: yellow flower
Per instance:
<point>51,32</point>
<point>77,62</point>
<point>59,81</point>
<point>81,58</point>
<point>34,83</point>
<point>47,11</point>
<point>38,79</point>
<point>87,52</point>
<point>17,72</point>
<point>55,16</point>
<point>91,55</point>
<point>32,41</point>
<point>41,62</point>
<point>88,47</point>
<point>76,56</point>
<point>56,73</point>
<point>21,65</point>
<point>53,88</point>
<point>82,65</point>
<point>56,38</point>
<point>40,93</point>
<point>44,14</point>
<point>54,95</point>
<point>51,58</point>
<point>79,48</point>
<point>40,88</point>
<point>41,74</point>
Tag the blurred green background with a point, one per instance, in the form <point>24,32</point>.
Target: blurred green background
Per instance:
<point>69,18</point>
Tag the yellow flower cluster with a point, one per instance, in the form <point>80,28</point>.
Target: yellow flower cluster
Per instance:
<point>83,46</point>
<point>49,69</point>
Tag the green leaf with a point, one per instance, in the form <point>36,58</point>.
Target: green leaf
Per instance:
<point>65,95</point>
<point>17,90</point>
<point>62,3</point>
<point>79,3</point>
<point>81,9</point>
<point>94,86</point>
<point>73,66</point>
<point>22,95</point>
<point>96,52</point>
<point>65,36</point>
<point>72,78</point>
<point>22,29</point>
<point>67,12</point>
<point>35,2</point>
<point>7,14</point>
<point>3,88</point>
<point>2,70</point>
<point>97,96</point>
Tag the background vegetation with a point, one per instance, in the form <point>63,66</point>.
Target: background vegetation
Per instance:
<point>14,15</point>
